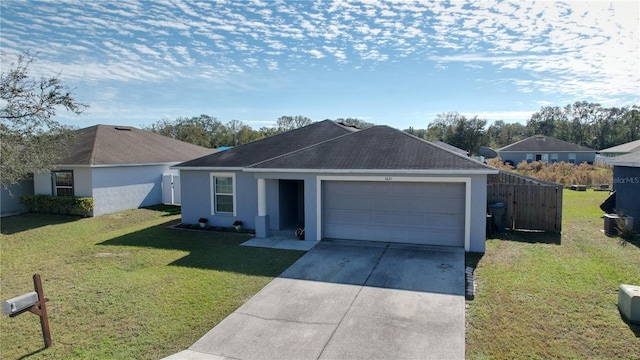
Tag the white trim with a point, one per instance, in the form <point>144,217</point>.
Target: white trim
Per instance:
<point>466,180</point>
<point>390,172</point>
<point>116,165</point>
<point>212,183</point>
<point>208,168</point>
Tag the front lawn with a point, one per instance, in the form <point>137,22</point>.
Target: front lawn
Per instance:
<point>122,286</point>
<point>541,296</point>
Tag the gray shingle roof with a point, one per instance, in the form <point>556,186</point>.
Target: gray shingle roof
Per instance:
<point>623,148</point>
<point>544,143</point>
<point>112,145</point>
<point>375,148</point>
<point>273,146</point>
<point>630,159</point>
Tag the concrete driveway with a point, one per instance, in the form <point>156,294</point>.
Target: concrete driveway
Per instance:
<point>350,300</point>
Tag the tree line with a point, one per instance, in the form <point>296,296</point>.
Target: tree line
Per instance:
<point>207,131</point>
<point>582,123</point>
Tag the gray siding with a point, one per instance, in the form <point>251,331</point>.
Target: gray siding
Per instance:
<point>626,183</point>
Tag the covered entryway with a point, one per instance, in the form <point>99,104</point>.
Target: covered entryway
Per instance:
<point>291,204</point>
<point>431,213</point>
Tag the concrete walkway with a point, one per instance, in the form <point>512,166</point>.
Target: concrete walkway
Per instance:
<point>350,300</point>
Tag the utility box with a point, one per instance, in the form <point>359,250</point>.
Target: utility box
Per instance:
<point>629,302</point>
<point>613,223</point>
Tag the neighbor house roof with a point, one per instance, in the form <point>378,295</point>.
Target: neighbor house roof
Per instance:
<point>623,148</point>
<point>450,147</point>
<point>630,160</point>
<point>273,146</point>
<point>544,143</point>
<point>375,148</point>
<point>114,145</point>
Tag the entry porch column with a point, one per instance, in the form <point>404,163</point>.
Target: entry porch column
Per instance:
<point>262,220</point>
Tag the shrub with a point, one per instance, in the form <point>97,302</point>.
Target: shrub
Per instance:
<point>499,164</point>
<point>567,173</point>
<point>69,205</point>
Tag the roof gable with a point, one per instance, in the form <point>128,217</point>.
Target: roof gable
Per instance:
<point>375,148</point>
<point>273,146</point>
<point>545,143</point>
<point>114,145</point>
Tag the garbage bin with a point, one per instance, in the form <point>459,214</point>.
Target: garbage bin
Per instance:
<point>497,211</point>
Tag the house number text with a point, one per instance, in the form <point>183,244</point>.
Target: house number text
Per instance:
<point>388,178</point>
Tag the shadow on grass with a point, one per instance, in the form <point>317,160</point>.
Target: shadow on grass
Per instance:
<point>635,328</point>
<point>28,221</point>
<point>32,353</point>
<point>168,210</point>
<point>530,237</point>
<point>211,250</point>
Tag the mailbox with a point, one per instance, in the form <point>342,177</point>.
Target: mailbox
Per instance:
<point>19,303</point>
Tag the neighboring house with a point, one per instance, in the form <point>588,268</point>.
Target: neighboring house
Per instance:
<point>626,184</point>
<point>545,149</point>
<point>622,149</point>
<point>10,198</point>
<point>120,167</point>
<point>450,147</point>
<point>377,184</point>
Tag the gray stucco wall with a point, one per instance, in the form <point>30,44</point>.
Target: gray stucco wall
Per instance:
<point>518,156</point>
<point>112,188</point>
<point>196,201</point>
<point>626,183</point>
<point>127,187</point>
<point>9,199</point>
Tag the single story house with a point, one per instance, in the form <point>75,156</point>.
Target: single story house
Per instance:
<point>622,149</point>
<point>120,167</point>
<point>546,149</point>
<point>626,184</point>
<point>377,184</point>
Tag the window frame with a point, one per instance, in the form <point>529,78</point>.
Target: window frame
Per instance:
<point>55,186</point>
<point>529,158</point>
<point>572,158</point>
<point>214,194</point>
<point>554,158</point>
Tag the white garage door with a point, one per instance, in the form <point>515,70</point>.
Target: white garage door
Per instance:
<point>421,213</point>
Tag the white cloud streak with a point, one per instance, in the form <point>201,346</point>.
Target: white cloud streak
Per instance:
<point>579,49</point>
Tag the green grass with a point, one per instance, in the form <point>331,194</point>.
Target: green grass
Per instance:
<point>545,296</point>
<point>123,286</point>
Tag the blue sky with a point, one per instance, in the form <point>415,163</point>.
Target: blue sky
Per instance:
<point>397,63</point>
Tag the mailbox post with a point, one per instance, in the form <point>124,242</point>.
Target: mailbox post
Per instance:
<point>34,302</point>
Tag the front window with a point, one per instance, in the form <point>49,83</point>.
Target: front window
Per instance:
<point>223,186</point>
<point>63,183</point>
<point>545,158</point>
<point>529,158</point>
<point>572,158</point>
<point>554,158</point>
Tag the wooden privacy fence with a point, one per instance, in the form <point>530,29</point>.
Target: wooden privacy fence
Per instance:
<point>531,204</point>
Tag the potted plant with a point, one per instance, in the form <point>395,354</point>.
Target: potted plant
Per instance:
<point>203,222</point>
<point>300,233</point>
<point>238,225</point>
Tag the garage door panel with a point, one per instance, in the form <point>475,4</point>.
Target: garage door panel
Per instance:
<point>424,213</point>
